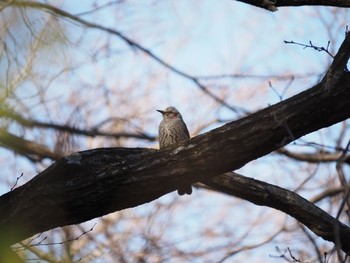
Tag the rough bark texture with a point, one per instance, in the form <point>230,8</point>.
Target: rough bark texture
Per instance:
<point>272,5</point>
<point>96,182</point>
<point>264,194</point>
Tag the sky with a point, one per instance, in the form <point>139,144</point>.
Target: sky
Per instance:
<point>201,38</point>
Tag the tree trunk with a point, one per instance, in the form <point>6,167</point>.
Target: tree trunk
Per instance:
<point>96,182</point>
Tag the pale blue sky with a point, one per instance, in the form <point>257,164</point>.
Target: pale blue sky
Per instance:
<point>201,38</point>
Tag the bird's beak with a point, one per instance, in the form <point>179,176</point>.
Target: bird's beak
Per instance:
<point>161,111</point>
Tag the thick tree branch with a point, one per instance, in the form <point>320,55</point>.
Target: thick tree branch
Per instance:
<point>273,4</point>
<point>261,193</point>
<point>96,182</point>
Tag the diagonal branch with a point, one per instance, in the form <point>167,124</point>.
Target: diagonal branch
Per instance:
<point>272,5</point>
<point>264,194</point>
<point>133,44</point>
<point>96,182</point>
<point>30,149</point>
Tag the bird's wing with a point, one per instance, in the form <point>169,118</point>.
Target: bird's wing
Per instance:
<point>186,130</point>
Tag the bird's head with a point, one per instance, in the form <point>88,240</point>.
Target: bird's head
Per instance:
<point>170,112</point>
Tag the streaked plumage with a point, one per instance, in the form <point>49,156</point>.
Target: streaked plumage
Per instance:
<point>172,130</point>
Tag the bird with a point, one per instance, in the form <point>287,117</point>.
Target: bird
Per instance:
<point>172,130</point>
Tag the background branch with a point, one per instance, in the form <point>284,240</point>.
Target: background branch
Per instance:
<point>261,193</point>
<point>30,123</point>
<point>93,183</point>
<point>133,44</point>
<point>272,4</point>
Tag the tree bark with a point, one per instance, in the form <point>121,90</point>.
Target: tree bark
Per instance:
<point>264,194</point>
<point>96,182</point>
<point>272,5</point>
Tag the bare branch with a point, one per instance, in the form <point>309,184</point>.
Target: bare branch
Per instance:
<point>272,5</point>
<point>30,123</point>
<point>311,45</point>
<point>330,192</point>
<point>134,45</point>
<point>93,183</point>
<point>30,149</point>
<point>15,184</point>
<point>89,184</point>
<point>261,193</point>
<point>317,157</point>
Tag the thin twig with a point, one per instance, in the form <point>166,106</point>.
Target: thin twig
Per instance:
<point>311,45</point>
<point>134,45</point>
<point>13,187</point>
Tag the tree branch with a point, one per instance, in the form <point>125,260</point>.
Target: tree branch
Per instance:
<point>133,44</point>
<point>30,149</point>
<point>96,182</point>
<point>317,157</point>
<point>272,5</point>
<point>30,123</point>
<point>330,192</point>
<point>264,194</point>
